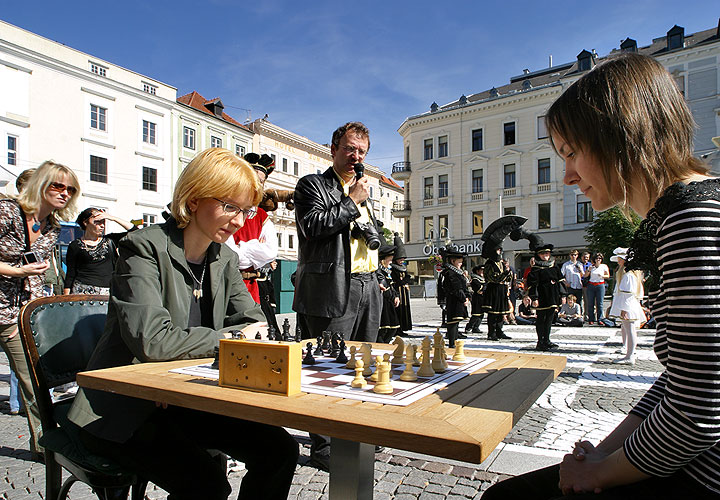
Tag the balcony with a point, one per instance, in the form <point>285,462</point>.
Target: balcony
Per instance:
<point>477,196</point>
<point>401,209</point>
<point>401,170</point>
<point>510,191</point>
<point>428,202</point>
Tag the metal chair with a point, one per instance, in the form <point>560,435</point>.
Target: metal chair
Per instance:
<point>59,335</point>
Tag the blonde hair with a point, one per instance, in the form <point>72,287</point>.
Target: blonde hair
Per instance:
<point>213,173</point>
<point>629,115</point>
<point>34,189</point>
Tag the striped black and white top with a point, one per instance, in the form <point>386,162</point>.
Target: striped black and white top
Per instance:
<point>681,411</point>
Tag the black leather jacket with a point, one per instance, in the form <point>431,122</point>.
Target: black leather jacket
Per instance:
<point>323,215</point>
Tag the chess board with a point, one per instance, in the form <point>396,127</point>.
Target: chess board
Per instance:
<point>329,378</point>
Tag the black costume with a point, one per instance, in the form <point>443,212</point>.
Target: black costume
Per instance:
<point>546,285</point>
<point>389,323</point>
<point>266,291</point>
<point>401,284</point>
<point>495,297</point>
<point>454,286</point>
<point>477,284</point>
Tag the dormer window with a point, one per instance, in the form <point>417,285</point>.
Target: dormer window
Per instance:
<point>526,85</point>
<point>216,107</point>
<point>628,45</point>
<point>149,88</point>
<point>585,61</point>
<point>494,92</point>
<point>676,38</point>
<point>97,69</point>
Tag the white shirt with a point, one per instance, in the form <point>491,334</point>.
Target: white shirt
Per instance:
<point>258,252</point>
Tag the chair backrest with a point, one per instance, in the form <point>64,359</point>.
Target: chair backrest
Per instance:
<point>59,334</point>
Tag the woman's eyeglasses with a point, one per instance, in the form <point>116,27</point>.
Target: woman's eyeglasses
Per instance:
<point>59,187</point>
<point>229,208</point>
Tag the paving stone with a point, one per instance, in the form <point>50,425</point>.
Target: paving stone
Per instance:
<point>444,479</point>
<point>405,497</point>
<point>437,467</point>
<point>430,496</point>
<point>386,486</point>
<point>460,471</point>
<point>414,479</point>
<point>411,490</point>
<point>399,460</point>
<point>440,489</point>
<point>463,490</point>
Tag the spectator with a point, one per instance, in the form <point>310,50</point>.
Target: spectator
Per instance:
<point>596,274</point>
<point>626,304</point>
<point>176,292</point>
<point>91,258</point>
<point>573,272</point>
<point>586,264</point>
<point>570,314</point>
<point>526,313</point>
<point>30,228</point>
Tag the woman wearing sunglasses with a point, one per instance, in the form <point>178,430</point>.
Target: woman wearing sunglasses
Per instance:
<point>176,291</point>
<point>29,230</point>
<point>597,273</point>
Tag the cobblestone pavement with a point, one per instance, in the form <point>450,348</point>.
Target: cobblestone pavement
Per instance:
<point>587,401</point>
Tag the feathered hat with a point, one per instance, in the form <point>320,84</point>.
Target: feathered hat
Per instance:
<point>264,163</point>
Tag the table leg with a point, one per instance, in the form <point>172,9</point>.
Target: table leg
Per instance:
<point>352,470</point>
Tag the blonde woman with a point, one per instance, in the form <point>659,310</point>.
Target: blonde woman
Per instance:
<point>29,229</point>
<point>626,304</point>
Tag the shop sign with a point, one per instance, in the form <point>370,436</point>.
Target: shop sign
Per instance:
<point>474,247</point>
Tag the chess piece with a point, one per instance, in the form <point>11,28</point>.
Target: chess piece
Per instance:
<point>459,351</point>
<point>216,361</point>
<point>438,362</point>
<point>376,373</point>
<point>399,350</point>
<point>415,360</point>
<point>272,333</point>
<point>258,336</point>
<point>382,368</point>
<point>352,361</point>
<point>367,359</point>
<point>286,330</point>
<point>319,346</point>
<point>341,357</point>
<point>334,345</point>
<point>309,360</point>
<point>298,332</point>
<point>326,335</point>
<point>426,371</point>
<point>359,381</point>
<point>409,374</point>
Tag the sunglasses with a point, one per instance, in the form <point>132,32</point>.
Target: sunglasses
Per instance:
<point>59,187</point>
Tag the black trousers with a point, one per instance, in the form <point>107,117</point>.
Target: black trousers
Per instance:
<point>543,323</point>
<point>474,323</point>
<point>495,324</point>
<point>542,484</point>
<point>171,450</point>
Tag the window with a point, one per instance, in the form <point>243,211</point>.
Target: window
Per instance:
<point>98,169</point>
<point>544,216</point>
<point>509,211</point>
<point>148,219</point>
<point>428,195</point>
<point>509,176</point>
<point>98,117</point>
<point>442,146</point>
<point>428,149</point>
<point>509,133</point>
<point>149,132</point>
<point>477,139</point>
<point>443,225</point>
<point>544,171</point>
<point>443,186</point>
<point>680,82</point>
<point>477,181</point>
<point>291,241</point>
<point>150,89</point>
<point>382,211</point>
<point>296,168</point>
<point>541,128</point>
<point>427,227</point>
<point>188,137</point>
<point>279,239</point>
<point>274,159</point>
<point>584,212</point>
<point>215,142</point>
<point>239,150</point>
<point>98,70</point>
<point>285,162</point>
<point>12,150</point>
<point>477,222</point>
<point>149,182</point>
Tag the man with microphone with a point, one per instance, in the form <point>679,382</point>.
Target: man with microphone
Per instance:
<point>336,288</point>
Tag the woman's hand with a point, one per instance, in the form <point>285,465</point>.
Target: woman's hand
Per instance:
<point>580,470</point>
<point>33,269</point>
<point>253,329</point>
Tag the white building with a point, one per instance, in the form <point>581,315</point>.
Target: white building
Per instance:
<point>487,155</point>
<point>112,126</point>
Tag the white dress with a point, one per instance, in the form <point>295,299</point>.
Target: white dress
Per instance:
<point>624,299</point>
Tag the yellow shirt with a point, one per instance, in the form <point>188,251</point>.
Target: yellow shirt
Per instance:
<point>363,260</point>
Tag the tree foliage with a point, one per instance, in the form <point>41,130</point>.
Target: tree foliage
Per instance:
<point>610,229</point>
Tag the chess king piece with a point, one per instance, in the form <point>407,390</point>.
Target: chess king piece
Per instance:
<point>459,351</point>
<point>308,359</point>
<point>383,368</point>
<point>359,381</point>
<point>409,374</point>
<point>426,371</point>
<point>352,361</point>
<point>367,359</point>
<point>399,351</point>
<point>286,330</point>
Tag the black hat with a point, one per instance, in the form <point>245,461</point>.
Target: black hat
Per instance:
<point>400,253</point>
<point>386,250</point>
<point>494,235</point>
<point>535,242</point>
<point>452,252</point>
<point>264,163</point>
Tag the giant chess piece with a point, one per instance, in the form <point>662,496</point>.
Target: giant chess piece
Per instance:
<point>352,361</point>
<point>359,381</point>
<point>341,357</point>
<point>273,333</point>
<point>319,347</point>
<point>383,368</point>
<point>459,351</point>
<point>367,359</point>
<point>438,362</point>
<point>326,336</point>
<point>409,374</point>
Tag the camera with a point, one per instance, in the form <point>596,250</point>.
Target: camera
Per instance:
<point>369,233</point>
<point>30,258</point>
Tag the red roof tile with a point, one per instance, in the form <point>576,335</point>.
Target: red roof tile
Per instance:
<point>196,101</point>
<point>389,182</point>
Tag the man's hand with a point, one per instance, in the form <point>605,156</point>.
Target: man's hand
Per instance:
<point>359,190</point>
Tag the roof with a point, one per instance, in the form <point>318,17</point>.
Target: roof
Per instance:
<point>198,102</point>
<point>389,182</point>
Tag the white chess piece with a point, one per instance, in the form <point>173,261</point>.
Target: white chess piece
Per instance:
<point>459,351</point>
<point>399,351</point>
<point>383,367</point>
<point>351,362</point>
<point>425,371</point>
<point>409,374</point>
<point>359,381</point>
<point>367,359</point>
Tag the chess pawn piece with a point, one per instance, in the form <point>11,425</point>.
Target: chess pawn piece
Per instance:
<point>383,385</point>
<point>399,351</point>
<point>409,374</point>
<point>341,357</point>
<point>415,360</point>
<point>319,346</point>
<point>286,330</point>
<point>359,381</point>
<point>367,359</point>
<point>376,373</point>
<point>308,359</point>
<point>459,351</point>
<point>426,371</point>
<point>352,361</point>
<point>216,361</point>
<point>258,336</point>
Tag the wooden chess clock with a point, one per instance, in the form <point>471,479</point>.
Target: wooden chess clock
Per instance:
<point>265,366</point>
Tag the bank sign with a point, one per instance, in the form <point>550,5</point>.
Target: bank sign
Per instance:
<point>471,248</point>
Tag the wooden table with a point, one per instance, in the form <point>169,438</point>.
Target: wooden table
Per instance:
<point>465,421</point>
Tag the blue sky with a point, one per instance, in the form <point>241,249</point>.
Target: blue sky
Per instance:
<point>314,65</point>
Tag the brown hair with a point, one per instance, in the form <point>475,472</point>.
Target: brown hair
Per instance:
<point>356,127</point>
<point>629,115</point>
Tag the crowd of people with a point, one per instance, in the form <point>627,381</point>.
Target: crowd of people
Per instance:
<point>178,287</point>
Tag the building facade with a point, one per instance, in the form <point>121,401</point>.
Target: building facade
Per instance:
<point>488,155</point>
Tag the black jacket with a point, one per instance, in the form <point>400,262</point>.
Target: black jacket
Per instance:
<point>323,215</point>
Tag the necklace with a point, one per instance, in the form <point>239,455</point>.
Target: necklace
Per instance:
<point>36,225</point>
<point>197,286</point>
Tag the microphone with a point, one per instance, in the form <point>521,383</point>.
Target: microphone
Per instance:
<point>359,172</point>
